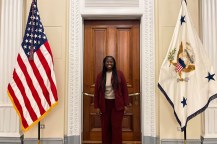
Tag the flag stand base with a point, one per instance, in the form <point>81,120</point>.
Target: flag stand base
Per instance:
<point>185,135</point>
<point>39,132</point>
<point>22,139</point>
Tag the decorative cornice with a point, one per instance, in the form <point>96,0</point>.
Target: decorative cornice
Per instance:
<point>111,3</point>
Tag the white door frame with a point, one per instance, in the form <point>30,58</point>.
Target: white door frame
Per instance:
<point>145,12</point>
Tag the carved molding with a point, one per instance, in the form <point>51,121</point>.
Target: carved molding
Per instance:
<point>75,70</point>
<point>209,36</point>
<point>148,114</point>
<point>112,3</point>
<point>148,70</point>
<point>10,42</point>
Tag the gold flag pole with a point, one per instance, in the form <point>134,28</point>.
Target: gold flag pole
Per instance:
<point>31,58</point>
<point>186,125</point>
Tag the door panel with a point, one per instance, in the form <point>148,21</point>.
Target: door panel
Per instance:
<point>121,40</point>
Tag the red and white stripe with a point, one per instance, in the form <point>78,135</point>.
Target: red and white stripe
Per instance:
<point>179,67</point>
<point>33,87</point>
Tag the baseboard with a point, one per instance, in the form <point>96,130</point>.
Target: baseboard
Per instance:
<point>150,140</point>
<point>43,141</point>
<point>175,141</point>
<point>209,141</point>
<point>10,140</point>
<point>72,139</point>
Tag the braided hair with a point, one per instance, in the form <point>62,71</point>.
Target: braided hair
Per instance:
<point>114,74</point>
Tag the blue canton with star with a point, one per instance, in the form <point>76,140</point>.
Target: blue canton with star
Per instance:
<point>34,34</point>
<point>210,77</point>
<point>184,102</point>
<point>182,19</point>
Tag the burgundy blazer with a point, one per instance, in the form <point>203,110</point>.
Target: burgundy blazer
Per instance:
<point>121,94</point>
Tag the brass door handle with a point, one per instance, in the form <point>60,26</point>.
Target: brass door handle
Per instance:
<point>88,94</point>
<point>134,94</point>
<point>92,95</point>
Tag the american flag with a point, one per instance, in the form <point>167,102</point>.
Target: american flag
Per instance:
<point>180,65</point>
<point>32,89</point>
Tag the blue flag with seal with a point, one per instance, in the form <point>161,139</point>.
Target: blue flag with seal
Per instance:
<point>187,78</point>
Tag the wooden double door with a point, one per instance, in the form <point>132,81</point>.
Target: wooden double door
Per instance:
<point>121,40</point>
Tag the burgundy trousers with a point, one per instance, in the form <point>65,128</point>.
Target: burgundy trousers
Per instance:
<point>111,122</point>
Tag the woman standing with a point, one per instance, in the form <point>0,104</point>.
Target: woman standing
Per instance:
<point>110,100</point>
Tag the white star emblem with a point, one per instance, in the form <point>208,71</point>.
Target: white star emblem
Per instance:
<point>32,17</point>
